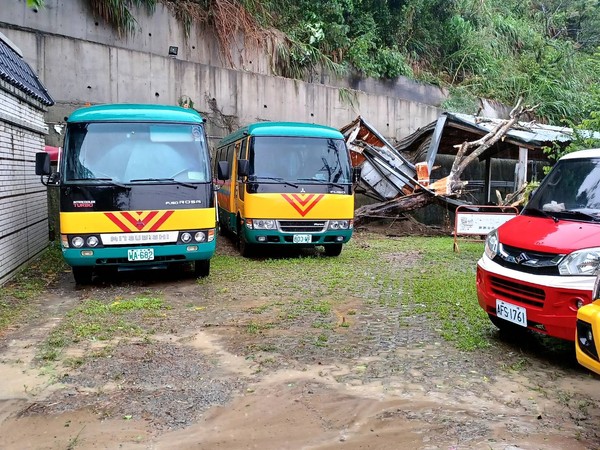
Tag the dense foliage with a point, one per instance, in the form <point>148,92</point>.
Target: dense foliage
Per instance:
<point>543,50</point>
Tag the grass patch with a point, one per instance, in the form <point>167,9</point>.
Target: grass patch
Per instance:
<point>95,320</point>
<point>416,275</point>
<point>28,283</point>
<point>444,289</point>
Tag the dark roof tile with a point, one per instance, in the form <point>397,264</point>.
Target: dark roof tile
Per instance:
<point>15,71</point>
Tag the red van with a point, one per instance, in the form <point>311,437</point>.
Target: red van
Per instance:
<point>539,268</point>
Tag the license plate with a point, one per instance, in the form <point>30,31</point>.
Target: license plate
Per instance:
<point>512,313</point>
<point>302,239</point>
<point>140,254</point>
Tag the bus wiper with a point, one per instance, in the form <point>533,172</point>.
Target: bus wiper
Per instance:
<point>542,213</point>
<point>172,180</point>
<point>277,179</point>
<point>108,180</point>
<point>331,183</point>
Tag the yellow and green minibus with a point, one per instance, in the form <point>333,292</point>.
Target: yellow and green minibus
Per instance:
<point>136,189</point>
<point>285,183</point>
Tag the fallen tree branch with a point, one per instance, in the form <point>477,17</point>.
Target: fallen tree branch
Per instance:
<point>392,208</point>
<point>463,159</point>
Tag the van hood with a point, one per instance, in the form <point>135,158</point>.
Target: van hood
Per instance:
<point>545,235</point>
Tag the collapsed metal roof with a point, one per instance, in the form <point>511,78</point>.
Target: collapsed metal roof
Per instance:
<point>16,72</point>
<point>452,129</point>
<point>528,134</point>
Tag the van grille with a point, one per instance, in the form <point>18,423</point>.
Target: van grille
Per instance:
<point>528,261</point>
<point>302,226</point>
<point>515,291</point>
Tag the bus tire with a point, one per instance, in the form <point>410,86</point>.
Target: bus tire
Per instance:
<point>83,274</point>
<point>246,249</point>
<point>202,268</point>
<point>333,249</point>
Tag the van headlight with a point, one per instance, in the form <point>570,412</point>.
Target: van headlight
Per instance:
<point>581,262</point>
<point>492,244</point>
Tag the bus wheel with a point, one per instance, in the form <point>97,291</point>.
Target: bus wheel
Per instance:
<point>202,268</point>
<point>83,275</point>
<point>333,249</point>
<point>246,249</point>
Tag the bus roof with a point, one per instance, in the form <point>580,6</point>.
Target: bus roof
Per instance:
<point>294,129</point>
<point>135,113</point>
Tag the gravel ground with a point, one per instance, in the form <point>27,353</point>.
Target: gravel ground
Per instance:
<point>216,356</point>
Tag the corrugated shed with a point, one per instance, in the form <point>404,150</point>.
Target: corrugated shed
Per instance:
<point>15,71</point>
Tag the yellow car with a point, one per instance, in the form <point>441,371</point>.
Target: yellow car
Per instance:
<point>587,342</point>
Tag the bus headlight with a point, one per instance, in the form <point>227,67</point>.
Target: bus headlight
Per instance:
<point>92,241</point>
<point>77,242</point>
<point>186,237</point>
<point>339,224</point>
<point>581,262</point>
<point>264,224</point>
<point>200,236</point>
<point>492,244</point>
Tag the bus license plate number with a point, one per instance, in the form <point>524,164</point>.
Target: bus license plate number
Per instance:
<point>140,254</point>
<point>512,313</point>
<point>302,239</point>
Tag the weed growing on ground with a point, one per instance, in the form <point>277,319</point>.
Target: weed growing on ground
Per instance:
<point>413,275</point>
<point>16,295</point>
<point>96,320</point>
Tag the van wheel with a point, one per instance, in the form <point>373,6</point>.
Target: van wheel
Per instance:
<point>202,268</point>
<point>83,274</point>
<point>505,326</point>
<point>333,249</point>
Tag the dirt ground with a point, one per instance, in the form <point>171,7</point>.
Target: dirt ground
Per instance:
<point>204,382</point>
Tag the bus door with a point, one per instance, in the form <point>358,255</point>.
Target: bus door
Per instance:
<point>240,182</point>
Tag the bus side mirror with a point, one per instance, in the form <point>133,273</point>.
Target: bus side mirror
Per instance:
<point>356,172</point>
<point>223,170</point>
<point>42,164</point>
<point>243,167</point>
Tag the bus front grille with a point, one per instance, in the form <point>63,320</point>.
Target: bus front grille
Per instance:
<point>302,226</point>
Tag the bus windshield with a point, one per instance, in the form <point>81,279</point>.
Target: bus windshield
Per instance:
<point>299,159</point>
<point>135,152</point>
<point>572,187</point>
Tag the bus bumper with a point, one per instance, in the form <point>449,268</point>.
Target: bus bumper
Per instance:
<point>118,256</point>
<point>275,237</point>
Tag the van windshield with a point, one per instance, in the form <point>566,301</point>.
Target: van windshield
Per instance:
<point>299,160</point>
<point>570,190</point>
<point>122,152</point>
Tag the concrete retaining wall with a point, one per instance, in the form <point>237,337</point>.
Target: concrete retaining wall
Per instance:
<point>82,60</point>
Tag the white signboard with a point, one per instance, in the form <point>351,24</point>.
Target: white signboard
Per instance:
<point>479,223</point>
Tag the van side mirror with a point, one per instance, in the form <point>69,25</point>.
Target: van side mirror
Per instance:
<point>356,173</point>
<point>223,170</point>
<point>42,164</point>
<point>243,167</point>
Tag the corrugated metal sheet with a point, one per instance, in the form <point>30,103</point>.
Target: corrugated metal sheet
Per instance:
<point>531,133</point>
<point>15,71</point>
